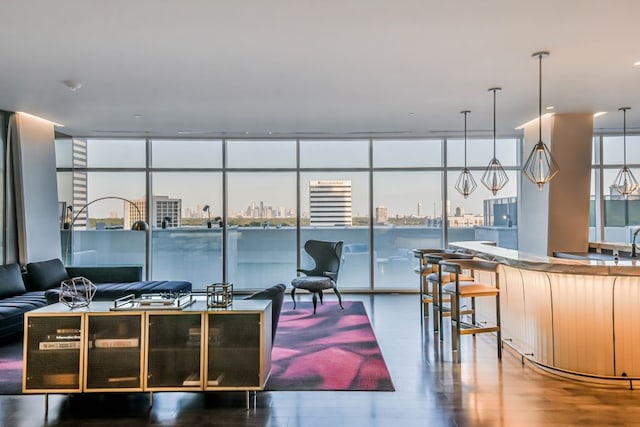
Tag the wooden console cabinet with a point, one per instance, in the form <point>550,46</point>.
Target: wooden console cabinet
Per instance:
<point>93,349</point>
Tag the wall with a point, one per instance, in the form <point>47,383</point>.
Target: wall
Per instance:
<point>36,193</point>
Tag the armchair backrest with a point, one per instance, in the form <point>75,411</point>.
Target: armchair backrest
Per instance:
<point>327,256</point>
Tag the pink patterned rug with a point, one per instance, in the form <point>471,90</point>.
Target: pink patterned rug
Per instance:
<point>332,350</point>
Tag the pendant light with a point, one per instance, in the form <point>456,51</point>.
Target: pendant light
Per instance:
<point>465,183</point>
<point>625,183</point>
<point>494,177</point>
<point>540,167</point>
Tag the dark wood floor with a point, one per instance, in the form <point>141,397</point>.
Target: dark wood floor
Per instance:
<point>430,391</point>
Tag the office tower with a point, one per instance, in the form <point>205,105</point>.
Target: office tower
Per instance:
<point>79,179</point>
<point>330,203</point>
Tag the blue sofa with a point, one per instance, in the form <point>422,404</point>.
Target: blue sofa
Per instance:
<point>40,285</point>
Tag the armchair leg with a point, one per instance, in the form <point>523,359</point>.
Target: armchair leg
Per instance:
<point>339,297</point>
<point>293,297</point>
<point>315,302</point>
<point>320,294</point>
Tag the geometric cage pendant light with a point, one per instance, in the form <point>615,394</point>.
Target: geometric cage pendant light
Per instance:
<point>494,177</point>
<point>540,167</point>
<point>625,183</point>
<point>465,183</point>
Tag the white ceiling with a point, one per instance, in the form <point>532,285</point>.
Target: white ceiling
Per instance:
<point>330,67</point>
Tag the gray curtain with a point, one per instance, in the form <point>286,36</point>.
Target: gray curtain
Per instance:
<point>9,227</point>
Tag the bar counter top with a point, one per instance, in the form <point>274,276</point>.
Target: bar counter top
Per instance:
<point>534,262</point>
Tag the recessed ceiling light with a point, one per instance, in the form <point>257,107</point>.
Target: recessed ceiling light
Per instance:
<point>137,116</point>
<point>550,107</point>
<point>599,113</point>
<point>636,63</point>
<point>412,114</point>
<point>72,85</point>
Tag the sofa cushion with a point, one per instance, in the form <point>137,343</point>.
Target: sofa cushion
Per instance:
<point>11,281</point>
<point>12,311</point>
<point>45,275</point>
<point>112,291</point>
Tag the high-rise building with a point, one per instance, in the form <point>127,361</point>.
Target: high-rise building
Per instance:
<point>79,179</point>
<point>382,214</point>
<point>163,207</point>
<point>330,203</point>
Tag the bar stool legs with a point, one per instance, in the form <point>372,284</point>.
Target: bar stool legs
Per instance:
<point>458,290</point>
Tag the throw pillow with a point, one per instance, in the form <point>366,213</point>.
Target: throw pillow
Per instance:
<point>11,281</point>
<point>45,275</point>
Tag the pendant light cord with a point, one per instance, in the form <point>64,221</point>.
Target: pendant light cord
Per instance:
<point>465,138</point>
<point>624,135</point>
<point>540,99</point>
<point>494,121</point>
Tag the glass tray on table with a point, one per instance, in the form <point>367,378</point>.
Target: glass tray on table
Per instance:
<point>157,301</point>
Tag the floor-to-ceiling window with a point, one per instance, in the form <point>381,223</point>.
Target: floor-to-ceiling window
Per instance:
<point>407,203</point>
<point>241,210</point>
<point>621,215</point>
<point>261,212</point>
<point>187,210</point>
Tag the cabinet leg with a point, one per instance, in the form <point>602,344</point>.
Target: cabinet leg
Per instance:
<point>246,399</point>
<point>46,405</point>
<point>150,399</point>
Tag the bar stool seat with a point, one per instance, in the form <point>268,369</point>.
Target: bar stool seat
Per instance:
<point>470,289</point>
<point>458,290</point>
<point>448,277</point>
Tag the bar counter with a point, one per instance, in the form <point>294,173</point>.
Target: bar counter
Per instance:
<point>576,318</point>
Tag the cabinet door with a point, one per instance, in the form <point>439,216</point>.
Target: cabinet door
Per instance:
<point>53,353</point>
<point>233,350</point>
<point>114,357</point>
<point>174,351</point>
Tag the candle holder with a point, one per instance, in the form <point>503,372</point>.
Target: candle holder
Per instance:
<point>219,295</point>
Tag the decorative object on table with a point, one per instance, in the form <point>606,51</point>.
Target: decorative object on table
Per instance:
<point>219,295</point>
<point>154,301</point>
<point>494,177</point>
<point>324,276</point>
<point>625,183</point>
<point>77,292</point>
<point>138,225</point>
<point>540,166</point>
<point>465,183</point>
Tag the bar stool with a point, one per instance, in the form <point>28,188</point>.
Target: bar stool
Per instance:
<point>423,269</point>
<point>437,279</point>
<point>458,289</point>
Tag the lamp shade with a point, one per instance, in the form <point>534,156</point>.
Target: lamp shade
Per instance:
<point>540,167</point>
<point>466,184</point>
